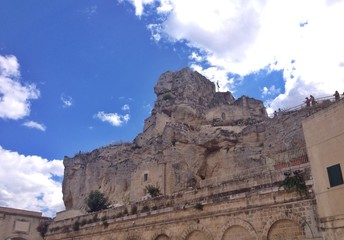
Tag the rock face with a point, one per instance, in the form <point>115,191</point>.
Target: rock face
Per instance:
<point>194,134</point>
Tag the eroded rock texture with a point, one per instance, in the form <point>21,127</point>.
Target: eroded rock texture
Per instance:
<point>193,134</point>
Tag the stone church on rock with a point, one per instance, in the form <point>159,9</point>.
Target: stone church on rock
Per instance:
<point>225,170</point>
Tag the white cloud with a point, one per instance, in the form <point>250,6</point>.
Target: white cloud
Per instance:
<point>270,91</point>
<point>139,5</point>
<point>114,119</point>
<point>217,75</point>
<point>155,30</point>
<point>35,125</point>
<point>303,38</point>
<point>125,107</point>
<point>14,96</point>
<point>9,66</point>
<point>196,57</point>
<point>165,7</point>
<point>26,182</point>
<point>66,101</point>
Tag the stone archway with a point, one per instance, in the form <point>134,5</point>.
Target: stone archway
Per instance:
<point>286,229</point>
<point>196,232</point>
<point>289,226</point>
<point>162,237</point>
<point>237,229</point>
<point>238,233</point>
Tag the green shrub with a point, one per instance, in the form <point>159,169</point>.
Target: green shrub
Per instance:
<point>153,191</point>
<point>97,201</point>
<point>294,183</point>
<point>42,228</point>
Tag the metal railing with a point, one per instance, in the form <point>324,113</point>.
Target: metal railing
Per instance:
<point>318,101</point>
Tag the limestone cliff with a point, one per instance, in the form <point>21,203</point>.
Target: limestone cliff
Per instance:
<point>193,134</point>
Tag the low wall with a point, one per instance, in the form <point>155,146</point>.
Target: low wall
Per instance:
<point>254,216</point>
<point>254,207</point>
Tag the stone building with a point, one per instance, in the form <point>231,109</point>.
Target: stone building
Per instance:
<point>324,134</point>
<point>225,171</point>
<point>16,224</point>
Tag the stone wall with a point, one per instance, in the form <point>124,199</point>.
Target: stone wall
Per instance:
<point>20,224</point>
<point>252,204</point>
<point>254,216</point>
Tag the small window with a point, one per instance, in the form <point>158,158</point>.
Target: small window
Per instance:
<point>145,177</point>
<point>335,175</point>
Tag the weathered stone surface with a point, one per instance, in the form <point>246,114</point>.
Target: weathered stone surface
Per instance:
<point>193,135</point>
<point>221,165</point>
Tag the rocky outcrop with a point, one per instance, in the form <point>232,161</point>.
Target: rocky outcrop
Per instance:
<point>193,134</point>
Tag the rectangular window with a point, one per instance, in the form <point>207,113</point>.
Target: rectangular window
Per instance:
<point>335,175</point>
<point>145,177</point>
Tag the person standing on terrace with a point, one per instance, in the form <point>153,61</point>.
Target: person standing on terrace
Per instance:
<point>336,96</point>
<point>312,99</point>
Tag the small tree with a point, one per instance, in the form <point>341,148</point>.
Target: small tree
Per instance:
<point>97,201</point>
<point>43,228</point>
<point>294,183</point>
<point>153,191</point>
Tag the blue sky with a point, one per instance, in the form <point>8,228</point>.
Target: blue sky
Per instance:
<point>78,75</point>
